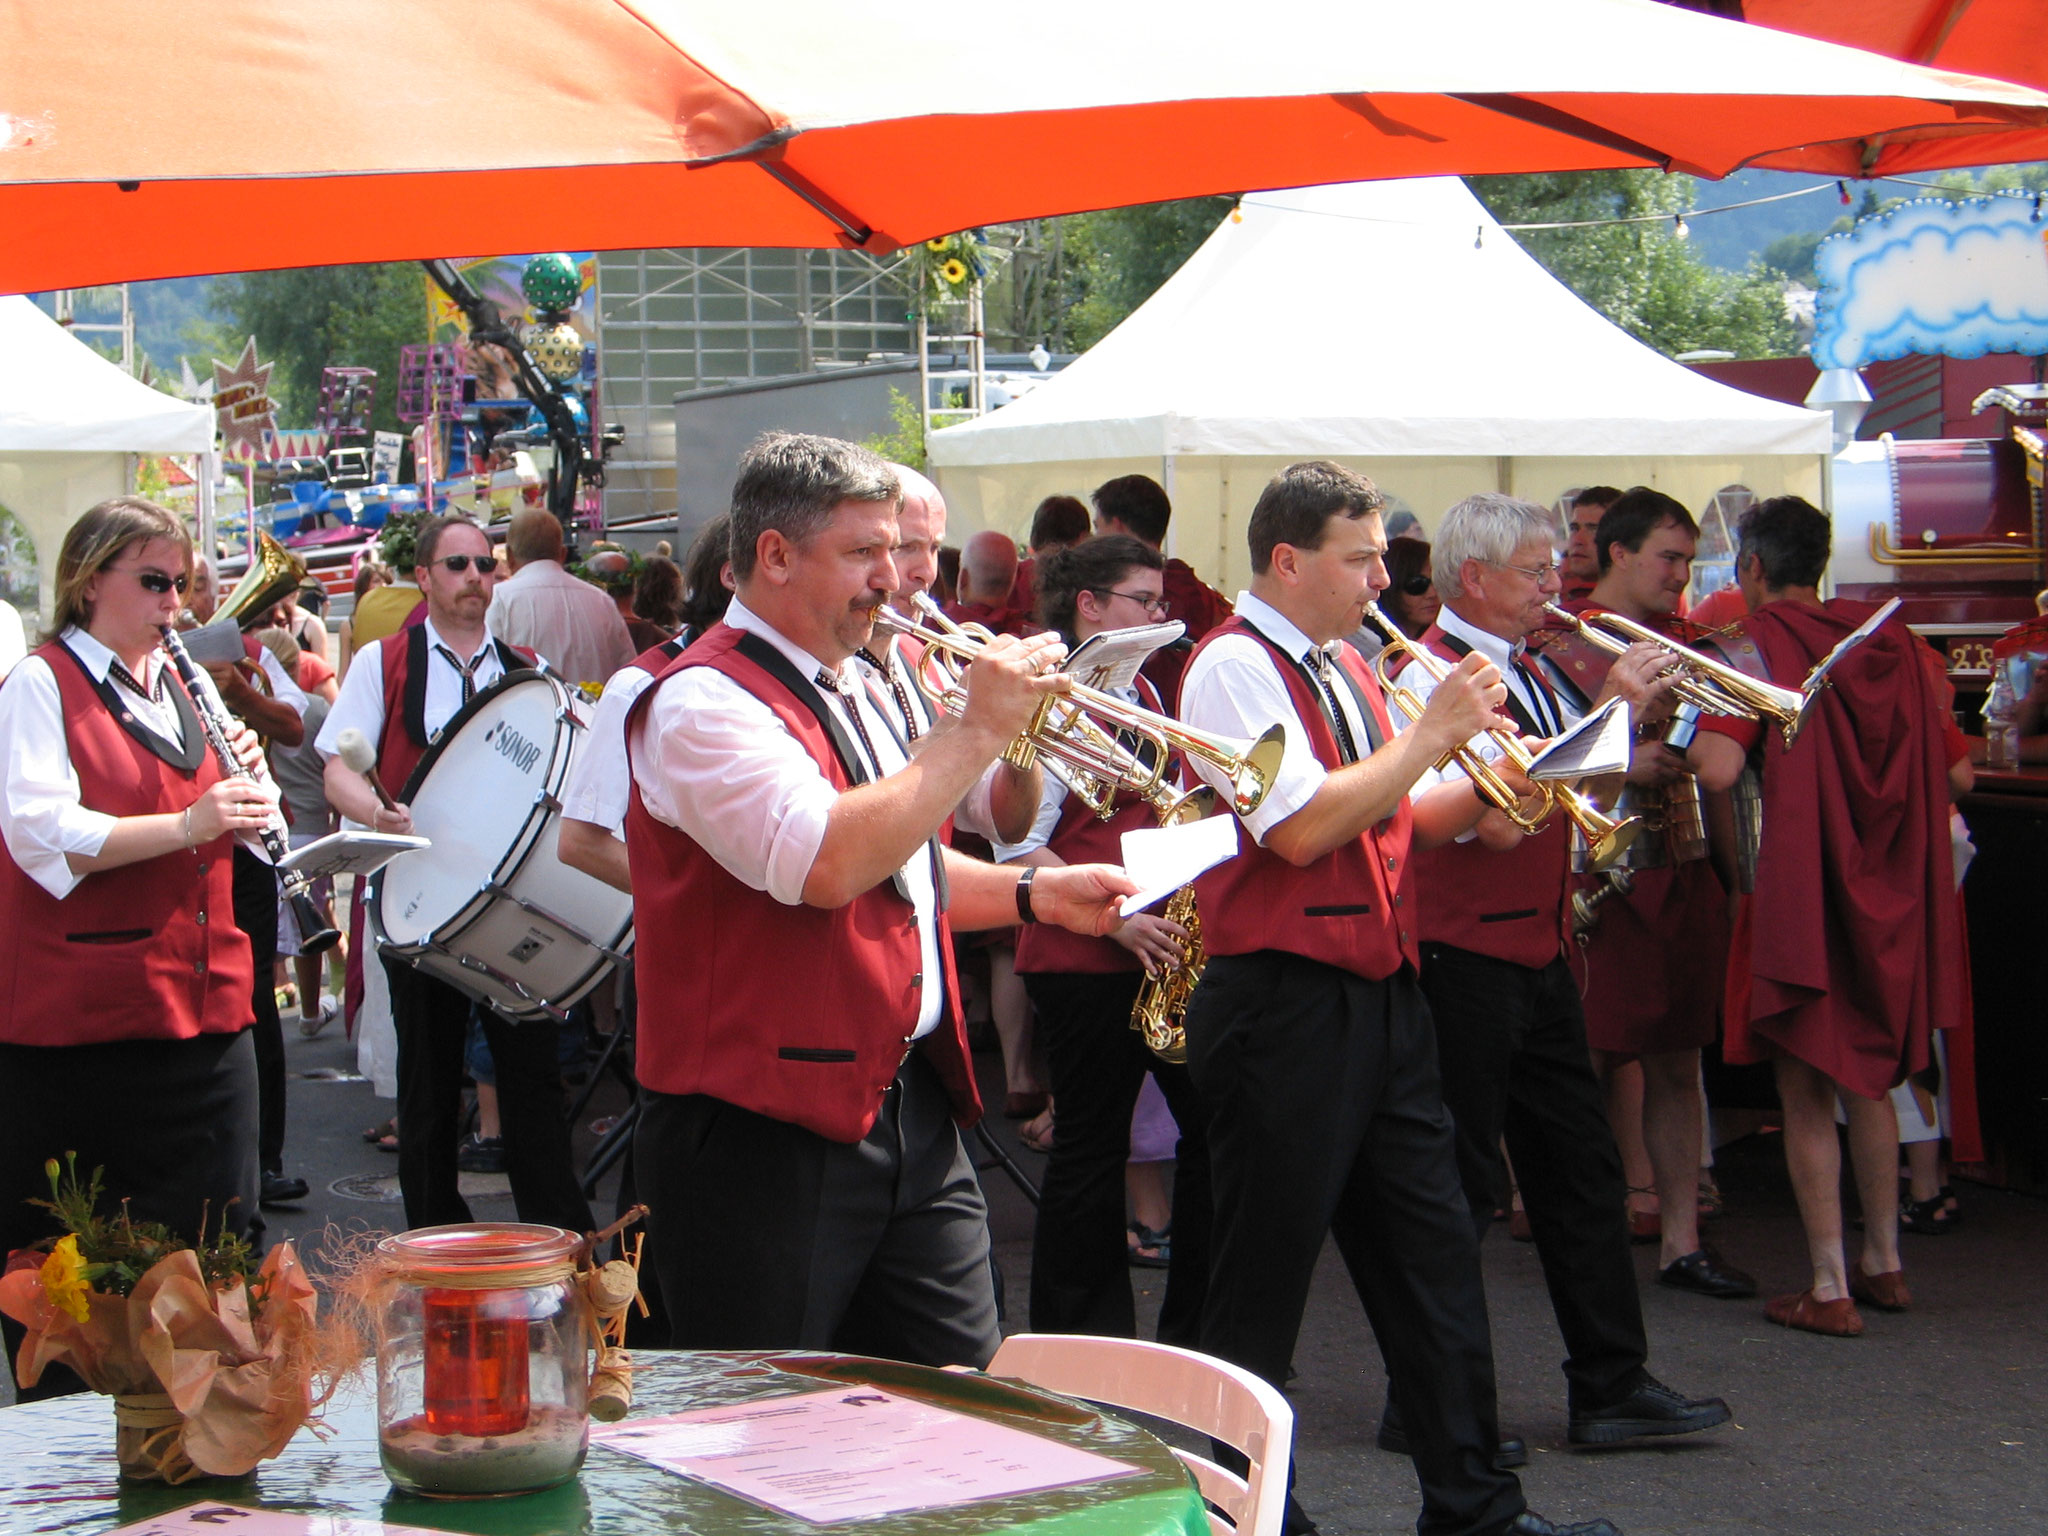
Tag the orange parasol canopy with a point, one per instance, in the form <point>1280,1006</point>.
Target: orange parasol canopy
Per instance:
<point>148,138</point>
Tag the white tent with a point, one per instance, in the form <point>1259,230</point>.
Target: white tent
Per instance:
<point>1394,327</point>
<point>69,419</point>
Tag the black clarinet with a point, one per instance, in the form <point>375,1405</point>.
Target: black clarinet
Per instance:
<point>315,936</point>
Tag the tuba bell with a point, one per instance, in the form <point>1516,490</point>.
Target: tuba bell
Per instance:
<point>273,571</point>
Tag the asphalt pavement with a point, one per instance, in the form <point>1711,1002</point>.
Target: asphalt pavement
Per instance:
<point>1932,1422</point>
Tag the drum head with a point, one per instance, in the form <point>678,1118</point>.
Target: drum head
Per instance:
<point>475,795</point>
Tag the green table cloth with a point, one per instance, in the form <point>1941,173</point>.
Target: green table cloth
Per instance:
<point>57,1469</point>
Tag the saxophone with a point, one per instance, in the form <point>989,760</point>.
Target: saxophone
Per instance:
<point>1163,998</point>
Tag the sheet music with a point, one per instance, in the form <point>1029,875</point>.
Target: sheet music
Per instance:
<point>1111,659</point>
<point>1849,642</point>
<point>350,853</point>
<point>1598,744</point>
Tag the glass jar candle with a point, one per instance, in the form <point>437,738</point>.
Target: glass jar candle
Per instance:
<point>483,1367</point>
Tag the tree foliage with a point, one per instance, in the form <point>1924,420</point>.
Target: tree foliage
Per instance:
<point>1644,277</point>
<point>309,318</point>
<point>1116,259</point>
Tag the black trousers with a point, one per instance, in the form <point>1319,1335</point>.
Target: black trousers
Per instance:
<point>256,915</point>
<point>1325,1118</point>
<point>1512,1044</point>
<point>1080,1263</point>
<point>172,1123</point>
<point>767,1236</point>
<point>432,1019</point>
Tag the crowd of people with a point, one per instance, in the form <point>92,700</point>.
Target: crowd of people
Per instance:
<point>1422,1012</point>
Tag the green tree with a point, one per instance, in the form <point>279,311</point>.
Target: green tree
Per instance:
<point>1118,258</point>
<point>1644,277</point>
<point>305,319</point>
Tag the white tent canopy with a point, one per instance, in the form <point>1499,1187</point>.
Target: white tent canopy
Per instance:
<point>1389,325</point>
<point>68,421</point>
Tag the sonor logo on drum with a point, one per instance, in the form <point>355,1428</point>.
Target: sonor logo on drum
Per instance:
<point>514,747</point>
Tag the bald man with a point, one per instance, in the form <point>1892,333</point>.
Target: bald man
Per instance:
<point>988,569</point>
<point>572,624</point>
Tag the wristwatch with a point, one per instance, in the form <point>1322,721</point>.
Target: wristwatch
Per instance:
<point>1024,912</point>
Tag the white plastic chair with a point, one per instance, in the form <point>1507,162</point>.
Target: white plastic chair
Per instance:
<point>1194,1390</point>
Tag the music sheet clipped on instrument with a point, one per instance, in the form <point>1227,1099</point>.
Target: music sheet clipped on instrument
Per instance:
<point>854,1453</point>
<point>1598,744</point>
<point>1163,859</point>
<point>349,853</point>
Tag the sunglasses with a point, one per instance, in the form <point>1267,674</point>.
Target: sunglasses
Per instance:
<point>485,564</point>
<point>160,583</point>
<point>1416,586</point>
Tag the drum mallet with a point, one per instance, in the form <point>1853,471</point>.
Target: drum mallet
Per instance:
<point>354,749</point>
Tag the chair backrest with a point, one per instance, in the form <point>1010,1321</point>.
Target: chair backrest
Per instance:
<point>1197,1391</point>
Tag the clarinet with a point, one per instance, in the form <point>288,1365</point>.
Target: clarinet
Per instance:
<point>315,936</point>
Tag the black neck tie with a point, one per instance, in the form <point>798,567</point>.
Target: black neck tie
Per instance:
<point>469,671</point>
<point>888,671</point>
<point>1319,668</point>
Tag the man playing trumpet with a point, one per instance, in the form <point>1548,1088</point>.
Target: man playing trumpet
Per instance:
<point>802,1059</point>
<point>1511,1034</point>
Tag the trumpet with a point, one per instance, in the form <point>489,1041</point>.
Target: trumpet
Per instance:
<point>1606,838</point>
<point>1080,730</point>
<point>1716,687</point>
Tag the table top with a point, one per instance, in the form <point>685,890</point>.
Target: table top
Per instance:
<point>57,1470</point>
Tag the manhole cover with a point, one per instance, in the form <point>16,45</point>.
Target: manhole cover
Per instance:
<point>382,1189</point>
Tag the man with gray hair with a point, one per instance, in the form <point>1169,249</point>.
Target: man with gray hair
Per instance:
<point>1511,1033</point>
<point>572,624</point>
<point>801,1055</point>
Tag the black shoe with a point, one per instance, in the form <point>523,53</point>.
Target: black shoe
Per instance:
<point>1529,1523</point>
<point>1652,1409</point>
<point>481,1154</point>
<point>279,1190</point>
<point>1703,1273</point>
<point>1393,1436</point>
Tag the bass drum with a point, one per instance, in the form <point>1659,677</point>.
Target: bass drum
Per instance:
<point>489,908</point>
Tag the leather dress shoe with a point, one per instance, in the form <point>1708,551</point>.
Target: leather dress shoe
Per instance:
<point>1652,1409</point>
<point>1704,1274</point>
<point>1529,1523</point>
<point>279,1190</point>
<point>1808,1313</point>
<point>1511,1453</point>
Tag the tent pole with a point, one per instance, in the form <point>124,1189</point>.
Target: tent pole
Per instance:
<point>1166,478</point>
<point>208,511</point>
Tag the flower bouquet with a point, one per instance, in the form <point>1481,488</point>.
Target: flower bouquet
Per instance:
<point>211,1367</point>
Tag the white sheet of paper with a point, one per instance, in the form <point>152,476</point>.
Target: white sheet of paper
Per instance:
<point>1598,744</point>
<point>1848,643</point>
<point>350,853</point>
<point>854,1453</point>
<point>1163,859</point>
<point>211,1519</point>
<point>1112,658</point>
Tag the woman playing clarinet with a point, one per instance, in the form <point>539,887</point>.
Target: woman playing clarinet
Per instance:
<point>124,984</point>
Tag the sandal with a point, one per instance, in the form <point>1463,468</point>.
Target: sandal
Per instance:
<point>1150,1249</point>
<point>376,1133</point>
<point>1711,1202</point>
<point>1887,1291</point>
<point>1644,1226</point>
<point>1930,1217</point>
<point>1037,1132</point>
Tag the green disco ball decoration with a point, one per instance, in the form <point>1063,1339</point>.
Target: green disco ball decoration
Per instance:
<point>557,350</point>
<point>551,282</point>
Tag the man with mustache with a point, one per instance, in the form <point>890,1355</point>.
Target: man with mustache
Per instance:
<point>802,1061</point>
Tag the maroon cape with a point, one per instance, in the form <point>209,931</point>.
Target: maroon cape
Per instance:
<point>1852,936</point>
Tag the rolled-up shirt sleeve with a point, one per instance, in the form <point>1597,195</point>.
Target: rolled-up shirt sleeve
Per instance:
<point>46,817</point>
<point>1233,688</point>
<point>713,761</point>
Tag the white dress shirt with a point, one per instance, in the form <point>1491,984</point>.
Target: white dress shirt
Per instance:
<point>1234,686</point>
<point>715,762</point>
<point>1553,712</point>
<point>13,638</point>
<point>575,626</point>
<point>360,704</point>
<point>45,817</point>
<point>976,812</point>
<point>599,784</point>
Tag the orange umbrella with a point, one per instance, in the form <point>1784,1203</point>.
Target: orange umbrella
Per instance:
<point>147,138</point>
<point>2004,39</point>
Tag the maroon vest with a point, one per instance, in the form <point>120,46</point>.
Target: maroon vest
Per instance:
<point>148,951</point>
<point>793,1012</point>
<point>1082,837</point>
<point>405,739</point>
<point>1512,906</point>
<point>1352,908</point>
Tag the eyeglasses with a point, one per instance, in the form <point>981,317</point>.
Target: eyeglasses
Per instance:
<point>160,582</point>
<point>1153,606</point>
<point>1416,586</point>
<point>485,564</point>
<point>1536,573</point>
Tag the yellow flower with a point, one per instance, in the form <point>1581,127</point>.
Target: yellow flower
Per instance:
<point>64,1278</point>
<point>954,271</point>
<point>936,245</point>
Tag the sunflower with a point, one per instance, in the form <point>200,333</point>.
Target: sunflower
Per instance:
<point>64,1279</point>
<point>954,271</point>
<point>936,246</point>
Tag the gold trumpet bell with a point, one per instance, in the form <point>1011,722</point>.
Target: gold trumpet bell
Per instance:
<point>1255,769</point>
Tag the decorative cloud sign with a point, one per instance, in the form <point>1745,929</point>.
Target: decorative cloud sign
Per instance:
<point>1934,277</point>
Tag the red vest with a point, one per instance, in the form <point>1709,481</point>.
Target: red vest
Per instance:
<point>793,1012</point>
<point>1353,908</point>
<point>1512,906</point>
<point>148,951</point>
<point>1082,837</point>
<point>405,739</point>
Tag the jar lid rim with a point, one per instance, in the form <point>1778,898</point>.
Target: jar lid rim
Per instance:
<point>480,1245</point>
